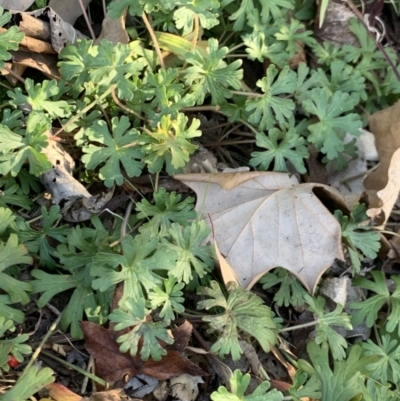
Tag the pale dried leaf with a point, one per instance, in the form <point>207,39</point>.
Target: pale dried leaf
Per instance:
<point>70,10</point>
<point>185,387</point>
<point>335,27</point>
<point>59,181</point>
<point>349,182</point>
<point>113,30</point>
<point>62,32</point>
<point>388,195</point>
<point>266,220</point>
<point>16,5</point>
<point>227,272</point>
<point>385,125</point>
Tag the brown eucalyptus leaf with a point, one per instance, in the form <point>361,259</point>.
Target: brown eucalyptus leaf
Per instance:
<point>264,220</point>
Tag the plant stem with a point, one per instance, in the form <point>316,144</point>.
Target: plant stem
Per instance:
<point>78,369</point>
<point>83,111</point>
<point>300,326</point>
<point>154,39</point>
<point>39,348</point>
<point>251,94</point>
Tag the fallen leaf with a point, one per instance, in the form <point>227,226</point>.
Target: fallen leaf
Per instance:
<point>70,10</point>
<point>59,181</point>
<point>349,182</point>
<point>335,27</point>
<point>16,5</point>
<point>266,220</point>
<point>227,272</point>
<point>185,387</point>
<point>61,393</point>
<point>385,125</point>
<point>141,385</point>
<point>113,30</point>
<point>113,365</point>
<point>388,195</point>
<point>110,395</point>
<point>62,33</point>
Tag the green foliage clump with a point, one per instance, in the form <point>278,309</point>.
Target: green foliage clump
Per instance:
<point>128,112</point>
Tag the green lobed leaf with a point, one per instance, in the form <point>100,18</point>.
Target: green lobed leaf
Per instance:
<point>33,380</point>
<point>169,143</point>
<point>37,240</point>
<point>282,145</point>
<point>133,313</point>
<point>243,311</point>
<point>167,209</point>
<point>270,108</point>
<point>239,384</point>
<point>16,149</point>
<point>139,266</point>
<point>188,11</point>
<point>357,236</point>
<point>12,253</point>
<point>39,98</point>
<point>113,150</point>
<point>367,310</point>
<point>192,257</point>
<point>170,298</point>
<point>290,292</point>
<point>10,39</point>
<point>210,74</point>
<point>328,133</point>
<point>325,334</point>
<point>387,357</point>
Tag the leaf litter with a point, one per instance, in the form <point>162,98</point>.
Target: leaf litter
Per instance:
<point>267,220</point>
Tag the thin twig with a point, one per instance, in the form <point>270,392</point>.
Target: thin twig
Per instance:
<point>105,115</point>
<point>153,37</point>
<point>126,218</point>
<point>122,106</point>
<point>15,75</point>
<point>39,348</point>
<point>87,20</point>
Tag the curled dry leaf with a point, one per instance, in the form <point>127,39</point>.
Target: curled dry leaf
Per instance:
<point>385,125</point>
<point>59,181</point>
<point>267,220</point>
<point>388,195</point>
<point>113,365</point>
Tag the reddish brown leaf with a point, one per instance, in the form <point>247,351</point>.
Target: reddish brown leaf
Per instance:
<point>113,365</point>
<point>58,392</point>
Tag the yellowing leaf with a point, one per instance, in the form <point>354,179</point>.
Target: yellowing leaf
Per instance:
<point>267,220</point>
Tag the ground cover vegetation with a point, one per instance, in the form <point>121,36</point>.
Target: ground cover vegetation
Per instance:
<point>131,116</point>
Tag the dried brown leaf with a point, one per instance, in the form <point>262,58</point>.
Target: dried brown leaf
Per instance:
<point>388,195</point>
<point>112,365</point>
<point>58,392</point>
<point>385,125</point>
